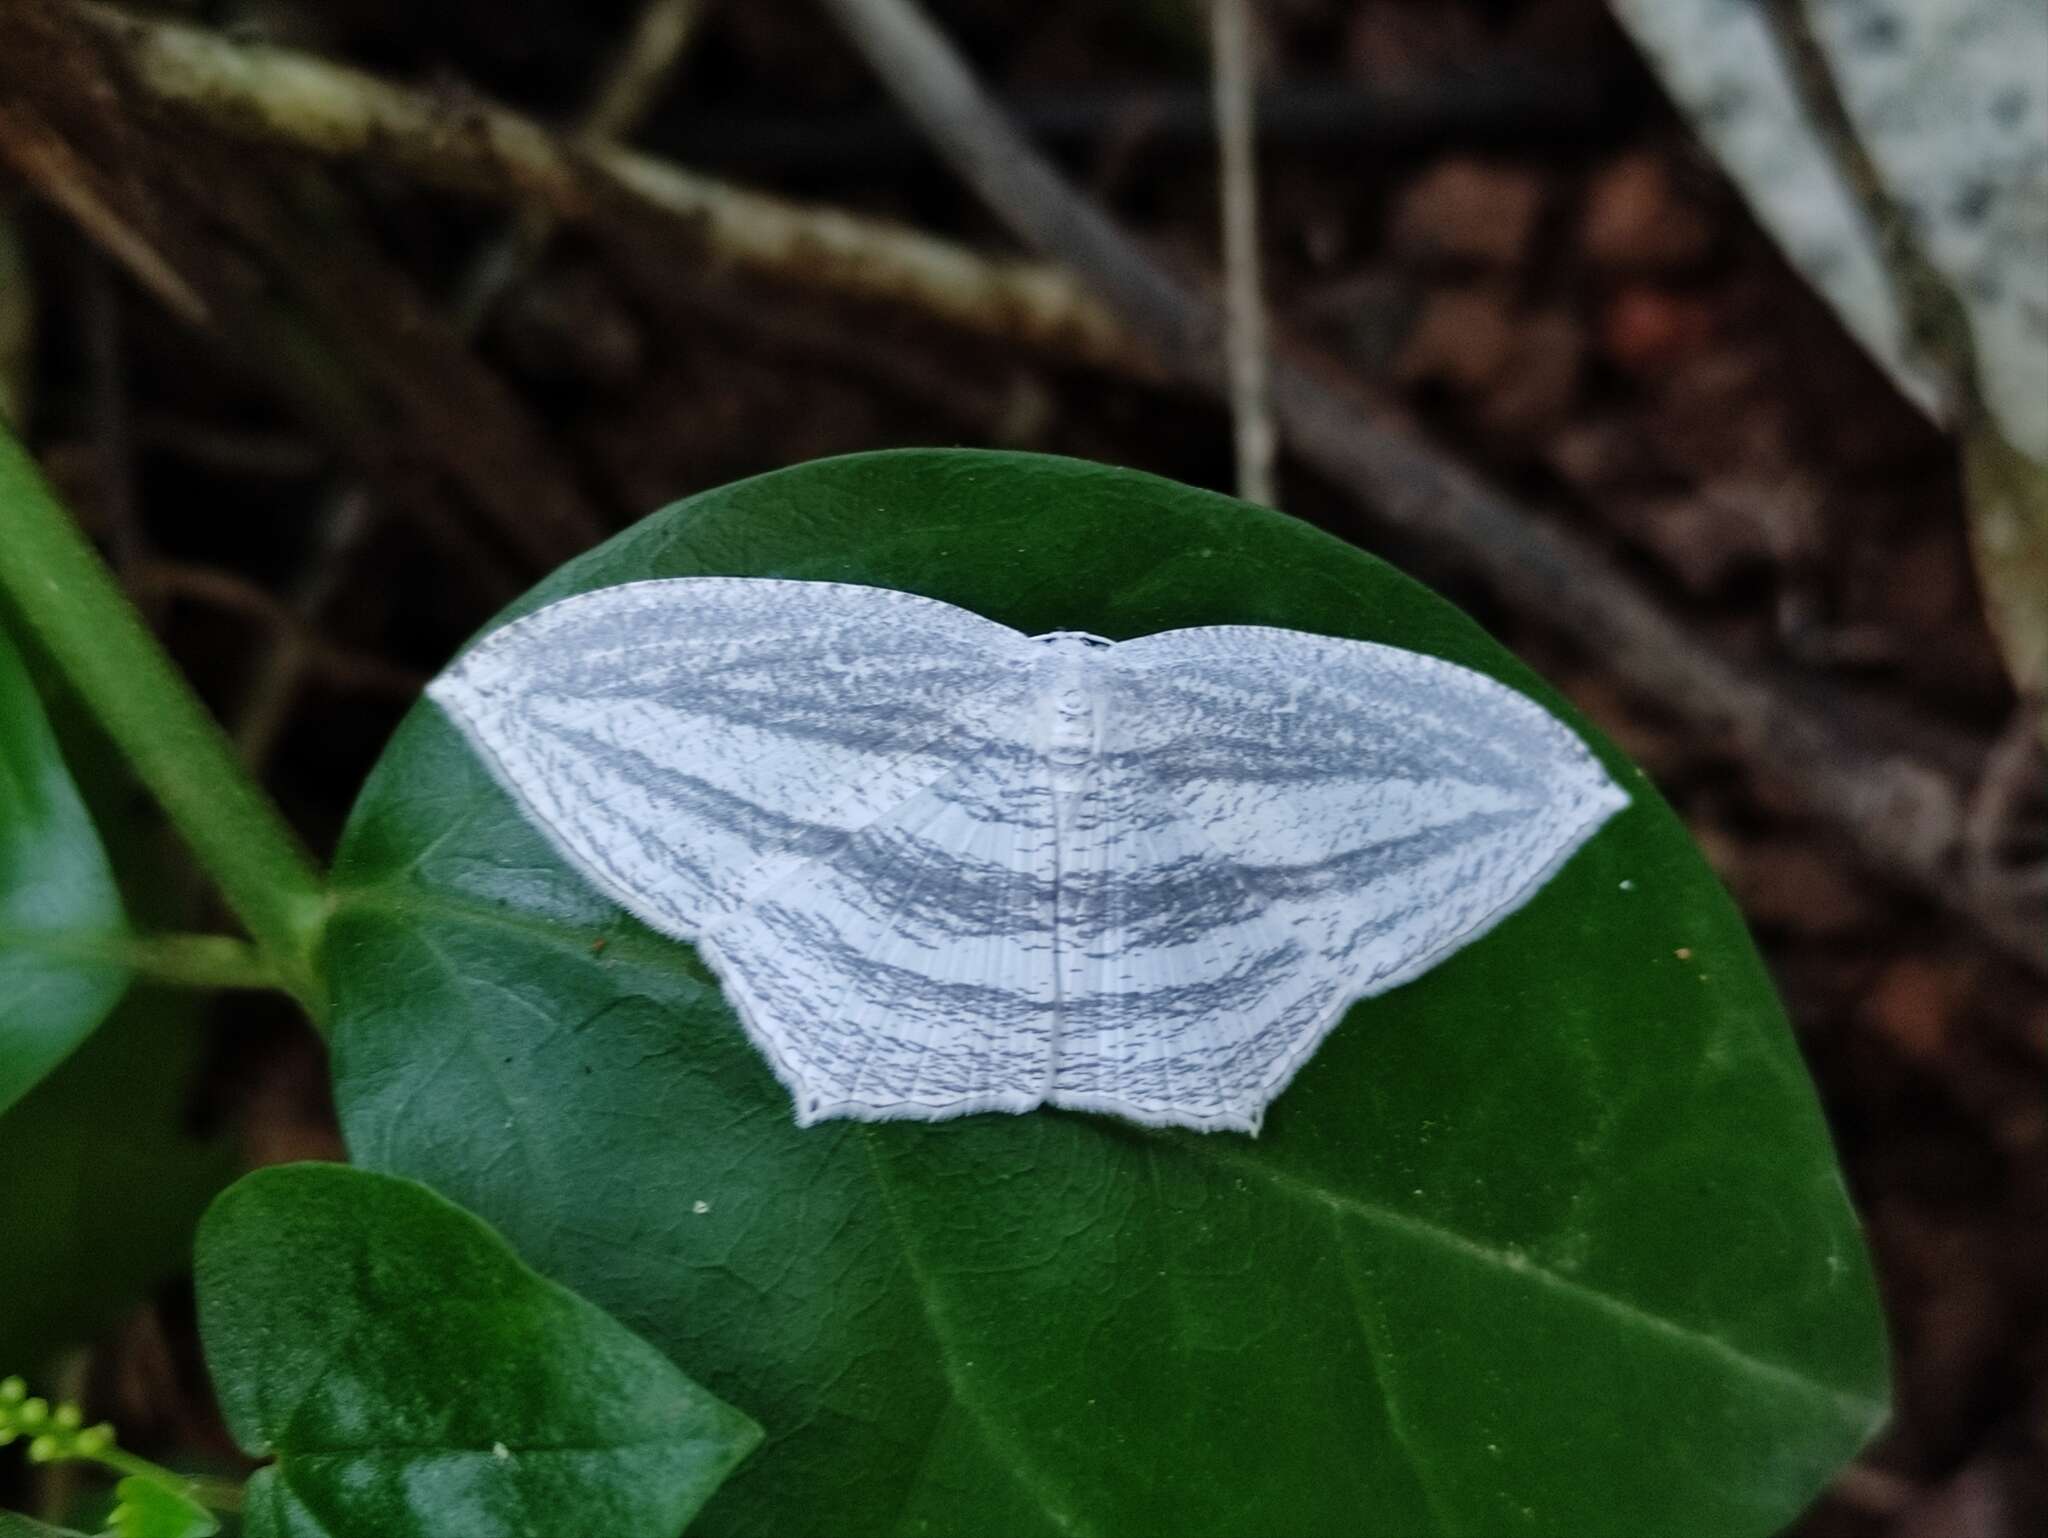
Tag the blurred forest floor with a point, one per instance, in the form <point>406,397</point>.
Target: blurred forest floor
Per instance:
<point>1484,207</point>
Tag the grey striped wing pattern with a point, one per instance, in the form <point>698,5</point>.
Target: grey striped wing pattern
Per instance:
<point>942,867</point>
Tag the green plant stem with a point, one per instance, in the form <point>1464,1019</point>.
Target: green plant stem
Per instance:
<point>58,1438</point>
<point>66,595</point>
<point>177,960</point>
<point>217,1494</point>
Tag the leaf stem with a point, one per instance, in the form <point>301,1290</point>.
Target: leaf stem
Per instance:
<point>66,595</point>
<point>176,960</point>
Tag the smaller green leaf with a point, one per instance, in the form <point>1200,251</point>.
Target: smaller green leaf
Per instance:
<point>58,900</point>
<point>149,1509</point>
<point>414,1379</point>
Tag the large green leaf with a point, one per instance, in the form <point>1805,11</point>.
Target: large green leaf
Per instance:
<point>414,1380</point>
<point>1549,1241</point>
<point>59,907</point>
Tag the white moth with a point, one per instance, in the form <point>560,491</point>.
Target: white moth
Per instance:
<point>944,867</point>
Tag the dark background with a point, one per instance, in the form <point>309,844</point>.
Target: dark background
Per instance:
<point>1487,208</point>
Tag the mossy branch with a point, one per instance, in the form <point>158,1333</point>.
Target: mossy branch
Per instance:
<point>468,145</point>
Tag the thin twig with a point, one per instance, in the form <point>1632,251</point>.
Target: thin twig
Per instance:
<point>209,585</point>
<point>347,515</point>
<point>277,96</point>
<point>1007,405</point>
<point>1251,408</point>
<point>1902,815</point>
<point>18,312</point>
<point>341,529</point>
<point>113,439</point>
<point>644,68</point>
<point>44,160</point>
<point>265,452</point>
<point>635,82</point>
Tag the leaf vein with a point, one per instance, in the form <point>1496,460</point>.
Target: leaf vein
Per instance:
<point>1007,1455</point>
<point>1379,1351</point>
<point>1851,1406</point>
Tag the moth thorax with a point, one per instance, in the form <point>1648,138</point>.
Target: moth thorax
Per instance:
<point>1070,716</point>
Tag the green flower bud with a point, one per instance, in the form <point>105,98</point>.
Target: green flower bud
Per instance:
<point>33,1414</point>
<point>68,1417</point>
<point>13,1391</point>
<point>44,1449</point>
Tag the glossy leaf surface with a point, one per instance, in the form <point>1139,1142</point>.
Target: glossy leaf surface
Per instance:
<point>59,907</point>
<point>412,1377</point>
<point>148,1509</point>
<point>1550,1241</point>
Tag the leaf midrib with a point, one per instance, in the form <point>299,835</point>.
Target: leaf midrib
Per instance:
<point>993,1437</point>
